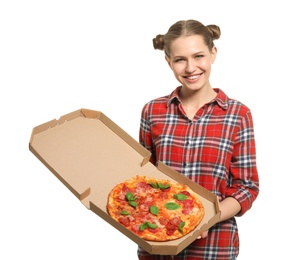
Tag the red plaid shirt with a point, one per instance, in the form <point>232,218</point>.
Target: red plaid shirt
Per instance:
<point>216,149</point>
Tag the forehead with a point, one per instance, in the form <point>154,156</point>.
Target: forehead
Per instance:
<point>188,44</point>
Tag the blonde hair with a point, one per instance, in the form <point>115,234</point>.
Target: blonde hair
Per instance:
<point>187,28</point>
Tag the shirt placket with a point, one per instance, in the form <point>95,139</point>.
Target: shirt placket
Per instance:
<point>189,138</point>
<point>187,148</point>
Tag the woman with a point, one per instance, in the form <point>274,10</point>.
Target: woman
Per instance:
<point>202,133</point>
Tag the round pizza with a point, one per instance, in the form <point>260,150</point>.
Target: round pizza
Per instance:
<point>155,209</point>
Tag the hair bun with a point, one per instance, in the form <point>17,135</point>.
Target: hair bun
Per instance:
<point>214,31</point>
<point>158,42</point>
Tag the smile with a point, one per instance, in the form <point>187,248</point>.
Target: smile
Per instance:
<point>193,77</point>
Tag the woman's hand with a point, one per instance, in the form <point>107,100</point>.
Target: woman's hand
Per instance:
<point>203,235</point>
<point>228,207</point>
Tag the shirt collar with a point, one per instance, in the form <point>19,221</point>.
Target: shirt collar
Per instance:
<point>221,99</point>
<point>174,96</point>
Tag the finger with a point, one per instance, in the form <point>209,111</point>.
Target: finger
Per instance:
<point>204,234</point>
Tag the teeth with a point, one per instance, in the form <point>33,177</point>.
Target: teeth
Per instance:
<point>192,77</point>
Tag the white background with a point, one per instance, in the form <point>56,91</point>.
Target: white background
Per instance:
<point>59,56</point>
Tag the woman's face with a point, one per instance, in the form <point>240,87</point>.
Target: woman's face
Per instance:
<point>190,60</point>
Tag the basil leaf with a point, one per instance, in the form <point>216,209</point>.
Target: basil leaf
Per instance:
<point>153,185</point>
<point>129,196</point>
<point>133,203</point>
<point>162,187</point>
<point>180,226</point>
<point>152,225</point>
<point>131,199</point>
<point>159,185</point>
<point>143,226</point>
<point>146,224</point>
<point>154,210</point>
<point>172,205</point>
<point>180,196</point>
<point>124,212</point>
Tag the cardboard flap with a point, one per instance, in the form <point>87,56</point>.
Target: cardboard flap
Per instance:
<point>84,146</point>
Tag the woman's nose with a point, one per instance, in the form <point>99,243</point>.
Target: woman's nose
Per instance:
<point>190,66</point>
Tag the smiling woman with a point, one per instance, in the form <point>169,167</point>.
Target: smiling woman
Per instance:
<point>203,134</point>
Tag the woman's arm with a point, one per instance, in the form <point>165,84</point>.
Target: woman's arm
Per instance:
<point>229,207</point>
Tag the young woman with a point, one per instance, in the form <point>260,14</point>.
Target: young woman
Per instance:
<point>205,135</point>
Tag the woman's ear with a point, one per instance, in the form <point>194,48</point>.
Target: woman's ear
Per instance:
<point>213,54</point>
<point>168,60</point>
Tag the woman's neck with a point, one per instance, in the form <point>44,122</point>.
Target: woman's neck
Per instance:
<point>192,101</point>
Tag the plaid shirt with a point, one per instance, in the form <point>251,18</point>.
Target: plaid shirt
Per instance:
<point>216,149</point>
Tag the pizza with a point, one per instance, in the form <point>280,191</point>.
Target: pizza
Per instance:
<point>155,209</point>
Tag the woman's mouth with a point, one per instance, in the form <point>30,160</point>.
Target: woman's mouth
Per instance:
<point>193,77</point>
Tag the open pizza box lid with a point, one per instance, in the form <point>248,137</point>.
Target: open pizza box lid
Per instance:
<point>90,154</point>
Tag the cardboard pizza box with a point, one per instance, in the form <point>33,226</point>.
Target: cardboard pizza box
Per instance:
<point>90,154</point>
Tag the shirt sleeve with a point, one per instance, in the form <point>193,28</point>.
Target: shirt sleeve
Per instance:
<point>245,182</point>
